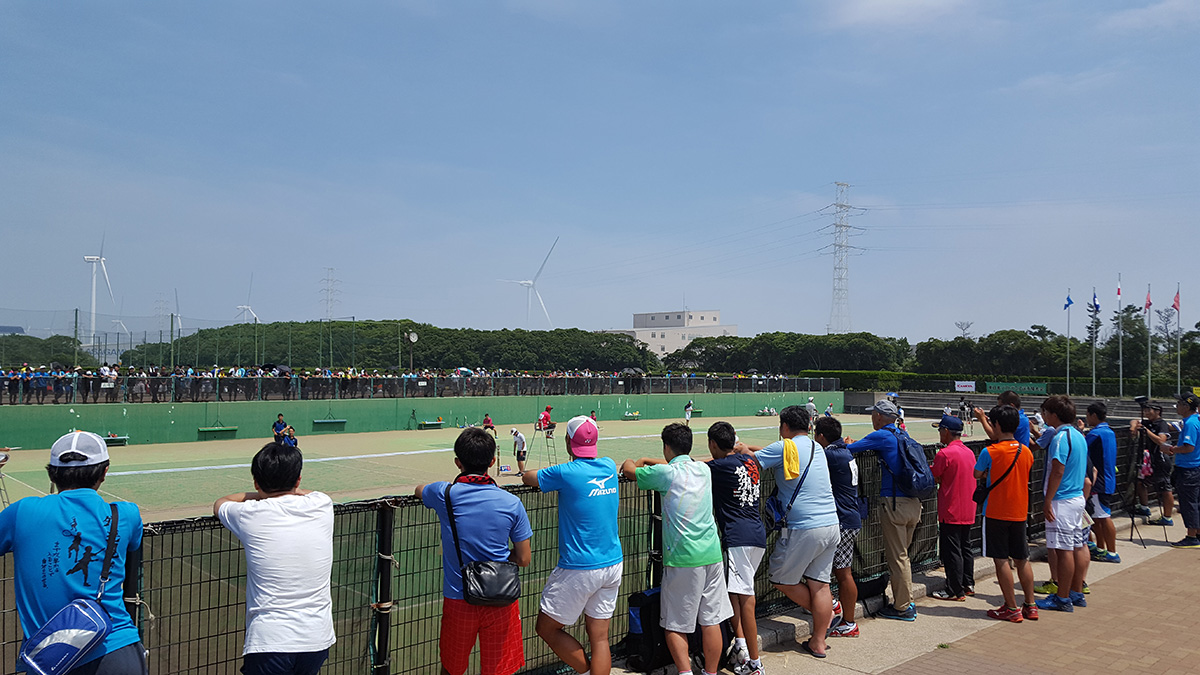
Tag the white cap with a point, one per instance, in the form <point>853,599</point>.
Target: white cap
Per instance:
<point>513,431</point>
<point>90,445</point>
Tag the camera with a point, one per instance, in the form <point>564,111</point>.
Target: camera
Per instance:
<point>1142,401</point>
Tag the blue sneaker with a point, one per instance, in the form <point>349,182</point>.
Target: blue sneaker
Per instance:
<point>1077,599</point>
<point>1111,558</point>
<point>1165,522</point>
<point>909,613</point>
<point>1056,603</point>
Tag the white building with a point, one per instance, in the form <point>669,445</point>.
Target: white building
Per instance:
<point>666,332</point>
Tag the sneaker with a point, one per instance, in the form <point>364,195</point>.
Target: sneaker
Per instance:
<point>1098,555</point>
<point>1087,590</point>
<point>1091,547</point>
<point>1140,510</point>
<point>1029,611</point>
<point>1110,557</point>
<point>1187,542</point>
<point>1006,614</point>
<point>1165,522</point>
<point>1056,603</point>
<point>1077,599</point>
<point>946,595</point>
<point>909,613</point>
<point>844,629</point>
<point>1048,588</point>
<point>738,657</point>
<point>969,590</point>
<point>748,669</point>
<point>837,612</point>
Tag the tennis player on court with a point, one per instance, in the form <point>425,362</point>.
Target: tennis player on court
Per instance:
<point>519,450</point>
<point>588,576</point>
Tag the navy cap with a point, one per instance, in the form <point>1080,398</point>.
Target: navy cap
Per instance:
<point>1189,398</point>
<point>949,422</point>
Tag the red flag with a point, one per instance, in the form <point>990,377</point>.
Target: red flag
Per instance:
<point>1148,303</point>
<point>1175,305</point>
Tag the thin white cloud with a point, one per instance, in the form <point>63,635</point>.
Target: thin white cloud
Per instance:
<point>1066,83</point>
<point>884,13</point>
<point>1164,15</point>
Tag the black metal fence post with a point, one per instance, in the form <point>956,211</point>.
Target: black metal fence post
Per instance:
<point>382,618</point>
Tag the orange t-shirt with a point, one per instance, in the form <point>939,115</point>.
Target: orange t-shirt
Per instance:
<point>1010,499</point>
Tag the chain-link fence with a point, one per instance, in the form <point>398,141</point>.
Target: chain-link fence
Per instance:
<point>190,579</point>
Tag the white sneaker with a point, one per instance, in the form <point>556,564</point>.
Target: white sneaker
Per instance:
<point>739,656</point>
<point>748,669</point>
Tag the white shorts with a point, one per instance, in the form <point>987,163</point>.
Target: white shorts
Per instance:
<point>692,595</point>
<point>1067,531</point>
<point>1099,508</point>
<point>804,554</point>
<point>741,564</point>
<point>569,593</point>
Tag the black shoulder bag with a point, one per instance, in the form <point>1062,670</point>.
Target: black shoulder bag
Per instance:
<point>983,489</point>
<point>490,583</point>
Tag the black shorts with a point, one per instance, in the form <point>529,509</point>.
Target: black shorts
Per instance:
<point>1004,539</point>
<point>521,455</point>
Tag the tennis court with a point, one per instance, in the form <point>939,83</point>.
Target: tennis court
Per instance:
<point>179,480</point>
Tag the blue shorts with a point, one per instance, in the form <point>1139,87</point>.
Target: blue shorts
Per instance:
<point>284,663</point>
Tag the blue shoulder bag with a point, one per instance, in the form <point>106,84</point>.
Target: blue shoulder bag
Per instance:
<point>71,634</point>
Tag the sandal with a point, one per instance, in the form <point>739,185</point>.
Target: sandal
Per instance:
<point>945,595</point>
<point>809,650</point>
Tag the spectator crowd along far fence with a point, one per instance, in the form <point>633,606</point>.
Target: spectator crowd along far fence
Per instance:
<point>40,385</point>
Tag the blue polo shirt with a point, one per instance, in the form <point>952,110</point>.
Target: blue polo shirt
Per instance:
<point>1190,435</point>
<point>1070,449</point>
<point>1022,433</point>
<point>1102,450</point>
<point>887,447</point>
<point>814,506</point>
<point>487,518</point>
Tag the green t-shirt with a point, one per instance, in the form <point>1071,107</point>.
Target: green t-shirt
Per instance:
<point>690,536</point>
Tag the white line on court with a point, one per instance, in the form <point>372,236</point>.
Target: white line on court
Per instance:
<point>9,475</point>
<point>183,469</point>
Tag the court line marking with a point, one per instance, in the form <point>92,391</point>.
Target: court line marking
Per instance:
<point>184,469</point>
<point>9,475</point>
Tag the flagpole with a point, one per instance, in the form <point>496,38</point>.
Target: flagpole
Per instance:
<point>1149,348</point>
<point>1120,342</point>
<point>1068,341</point>
<point>1093,329</point>
<point>1178,344</point>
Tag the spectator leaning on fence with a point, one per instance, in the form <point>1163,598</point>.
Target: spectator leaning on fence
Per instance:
<point>588,576</point>
<point>1187,468</point>
<point>287,534</point>
<point>58,544</point>
<point>1006,398</point>
<point>1102,450</point>
<point>487,518</point>
<point>953,469</point>
<point>693,584</point>
<point>1005,465</point>
<point>736,489</point>
<point>1154,465</point>
<point>802,560</point>
<point>843,477</point>
<point>1066,534</point>
<point>899,515</point>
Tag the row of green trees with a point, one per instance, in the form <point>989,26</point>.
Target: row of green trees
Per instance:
<point>1036,352</point>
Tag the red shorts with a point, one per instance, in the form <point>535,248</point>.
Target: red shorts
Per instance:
<point>498,630</point>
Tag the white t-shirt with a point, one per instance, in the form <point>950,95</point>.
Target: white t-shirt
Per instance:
<point>519,441</point>
<point>289,558</point>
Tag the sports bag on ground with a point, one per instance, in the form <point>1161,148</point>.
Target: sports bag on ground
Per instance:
<point>77,629</point>
<point>646,643</point>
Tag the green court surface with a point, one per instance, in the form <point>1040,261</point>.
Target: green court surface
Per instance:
<point>177,480</point>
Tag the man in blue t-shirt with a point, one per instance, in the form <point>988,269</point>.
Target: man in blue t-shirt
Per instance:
<point>588,576</point>
<point>487,519</point>
<point>735,487</point>
<point>1187,468</point>
<point>843,477</point>
<point>802,561</point>
<point>899,514</point>
<point>1022,433</point>
<point>278,428</point>
<point>1102,451</point>
<point>1063,505</point>
<point>58,544</point>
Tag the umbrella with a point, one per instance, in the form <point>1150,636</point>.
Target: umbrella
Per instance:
<point>632,371</point>
<point>283,369</point>
<point>464,371</point>
<point>753,371</point>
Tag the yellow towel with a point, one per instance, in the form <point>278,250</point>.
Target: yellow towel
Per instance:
<point>791,459</point>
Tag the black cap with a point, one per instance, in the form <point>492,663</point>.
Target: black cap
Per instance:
<point>1189,398</point>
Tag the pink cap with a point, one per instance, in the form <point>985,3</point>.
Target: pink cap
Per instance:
<point>582,436</point>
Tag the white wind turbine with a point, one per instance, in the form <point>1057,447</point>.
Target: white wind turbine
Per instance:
<point>531,289</point>
<point>97,263</point>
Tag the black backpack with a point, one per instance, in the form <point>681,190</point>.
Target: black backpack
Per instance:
<point>914,478</point>
<point>646,644</point>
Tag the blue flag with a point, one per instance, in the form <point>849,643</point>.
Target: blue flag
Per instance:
<point>1069,302</point>
<point>1095,301</point>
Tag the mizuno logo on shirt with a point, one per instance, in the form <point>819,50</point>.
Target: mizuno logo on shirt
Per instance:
<point>600,490</point>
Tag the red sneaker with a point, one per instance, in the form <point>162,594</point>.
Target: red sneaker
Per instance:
<point>1030,612</point>
<point>1006,614</point>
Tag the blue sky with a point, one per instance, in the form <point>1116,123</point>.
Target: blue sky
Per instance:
<point>1001,151</point>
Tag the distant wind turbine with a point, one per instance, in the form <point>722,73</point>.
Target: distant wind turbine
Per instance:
<point>531,289</point>
<point>97,263</point>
